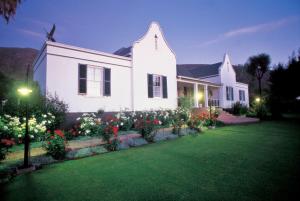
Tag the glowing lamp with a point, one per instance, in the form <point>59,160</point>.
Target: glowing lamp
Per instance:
<point>199,95</point>
<point>24,91</point>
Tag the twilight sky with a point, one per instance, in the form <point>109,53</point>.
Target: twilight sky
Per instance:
<point>199,31</point>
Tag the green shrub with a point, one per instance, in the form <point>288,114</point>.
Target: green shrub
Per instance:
<point>239,109</point>
<point>57,107</point>
<point>179,117</point>
<point>147,126</point>
<point>126,120</point>
<point>88,124</point>
<point>55,144</point>
<point>185,102</point>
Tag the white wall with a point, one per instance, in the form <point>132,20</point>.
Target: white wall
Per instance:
<point>147,59</point>
<point>244,87</point>
<point>62,78</point>
<point>228,78</point>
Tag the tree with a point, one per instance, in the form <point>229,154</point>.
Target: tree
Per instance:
<point>8,8</point>
<point>257,66</point>
<point>283,87</point>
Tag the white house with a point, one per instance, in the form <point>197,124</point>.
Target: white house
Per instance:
<point>141,77</point>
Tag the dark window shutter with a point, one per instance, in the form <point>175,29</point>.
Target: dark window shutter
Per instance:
<point>82,78</point>
<point>165,86</point>
<point>227,93</point>
<point>150,86</point>
<point>107,82</point>
<point>231,93</point>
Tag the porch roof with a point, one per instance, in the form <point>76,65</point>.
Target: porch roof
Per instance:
<point>195,80</point>
<point>198,70</point>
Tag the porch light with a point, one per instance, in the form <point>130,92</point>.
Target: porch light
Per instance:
<point>257,100</point>
<point>24,91</point>
<point>199,96</point>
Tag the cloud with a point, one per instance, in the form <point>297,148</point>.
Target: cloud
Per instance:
<point>31,33</point>
<point>266,27</point>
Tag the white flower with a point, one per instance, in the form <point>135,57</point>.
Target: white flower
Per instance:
<point>159,122</point>
<point>31,136</point>
<point>35,130</point>
<point>121,124</point>
<point>5,127</point>
<point>44,115</point>
<point>19,135</point>
<point>78,119</point>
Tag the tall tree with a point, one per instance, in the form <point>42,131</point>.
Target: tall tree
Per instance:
<point>8,8</point>
<point>257,66</point>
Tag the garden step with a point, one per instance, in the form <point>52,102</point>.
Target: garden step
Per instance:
<point>227,118</point>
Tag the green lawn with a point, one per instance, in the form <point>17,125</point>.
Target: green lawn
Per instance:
<point>247,162</point>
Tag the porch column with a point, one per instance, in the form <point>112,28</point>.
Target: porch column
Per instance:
<point>206,96</point>
<point>196,102</point>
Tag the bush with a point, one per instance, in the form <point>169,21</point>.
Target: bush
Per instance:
<point>111,128</point>
<point>179,117</point>
<point>185,102</point>
<point>55,144</point>
<point>88,124</point>
<point>57,107</point>
<point>126,120</point>
<point>5,144</point>
<point>147,126</point>
<point>239,109</point>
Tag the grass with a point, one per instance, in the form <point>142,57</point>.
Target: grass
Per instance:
<point>246,162</point>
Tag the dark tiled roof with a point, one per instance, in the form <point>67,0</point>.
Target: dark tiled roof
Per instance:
<point>198,70</point>
<point>124,51</point>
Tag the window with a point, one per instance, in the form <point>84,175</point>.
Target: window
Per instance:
<point>94,80</point>
<point>156,86</point>
<point>229,93</point>
<point>242,95</point>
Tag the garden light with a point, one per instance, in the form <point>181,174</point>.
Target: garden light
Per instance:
<point>257,100</point>
<point>24,91</point>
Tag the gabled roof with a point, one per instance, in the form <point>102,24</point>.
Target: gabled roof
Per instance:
<point>198,70</point>
<point>124,51</point>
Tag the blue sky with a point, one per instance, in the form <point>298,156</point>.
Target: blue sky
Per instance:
<point>198,31</point>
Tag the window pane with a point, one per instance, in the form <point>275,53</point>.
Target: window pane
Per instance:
<point>156,86</point>
<point>98,74</point>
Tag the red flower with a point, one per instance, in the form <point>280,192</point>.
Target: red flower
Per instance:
<point>59,133</point>
<point>155,121</point>
<point>52,137</point>
<point>115,130</point>
<point>49,142</point>
<point>7,142</point>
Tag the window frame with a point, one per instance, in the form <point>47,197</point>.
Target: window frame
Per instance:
<point>242,96</point>
<point>229,93</point>
<point>101,82</point>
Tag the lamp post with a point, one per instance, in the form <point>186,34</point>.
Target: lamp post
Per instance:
<point>25,92</point>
